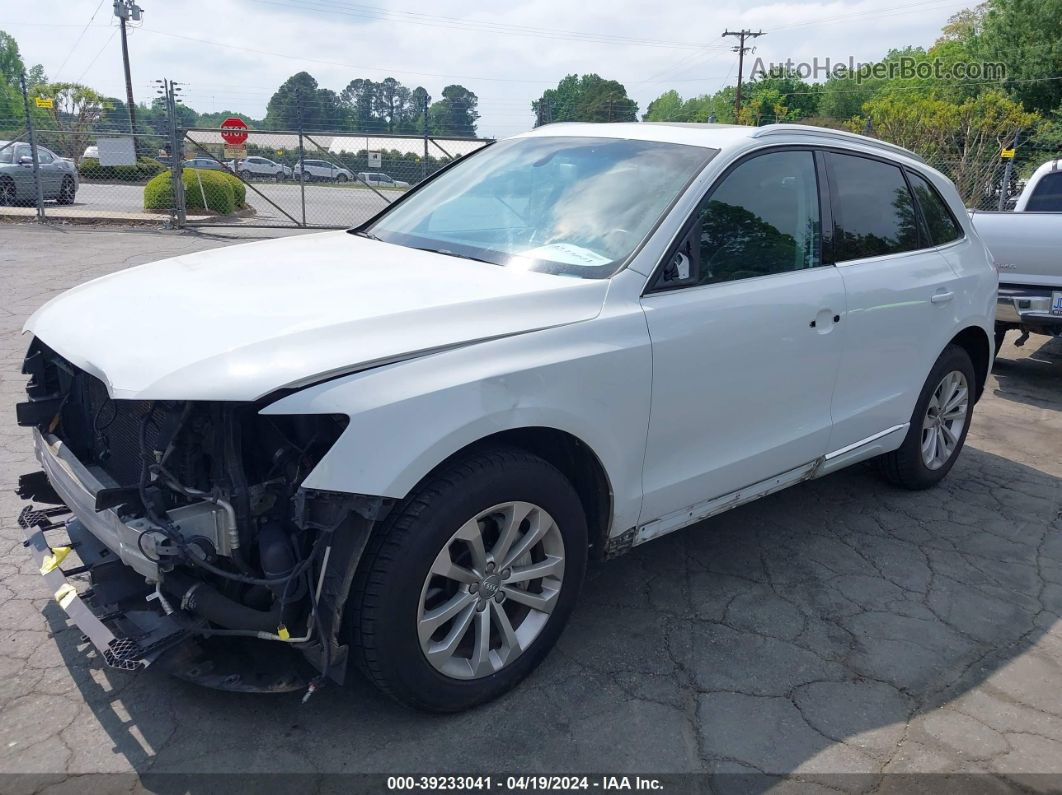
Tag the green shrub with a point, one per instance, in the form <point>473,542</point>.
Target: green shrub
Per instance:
<point>145,168</point>
<point>239,190</point>
<point>203,190</point>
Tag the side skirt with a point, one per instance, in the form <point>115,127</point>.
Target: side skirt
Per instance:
<point>879,443</point>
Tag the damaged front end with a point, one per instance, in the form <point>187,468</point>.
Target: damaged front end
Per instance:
<point>203,554</point>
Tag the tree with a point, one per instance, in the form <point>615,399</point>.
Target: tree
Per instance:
<point>299,100</point>
<point>586,98</point>
<point>359,99</point>
<point>667,107</point>
<point>74,116</point>
<point>455,113</point>
<point>1026,36</point>
<point>962,138</point>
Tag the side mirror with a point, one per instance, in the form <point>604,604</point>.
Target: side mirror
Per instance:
<point>26,160</point>
<point>682,268</point>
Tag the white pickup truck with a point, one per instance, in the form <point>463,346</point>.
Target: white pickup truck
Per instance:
<point>1026,245</point>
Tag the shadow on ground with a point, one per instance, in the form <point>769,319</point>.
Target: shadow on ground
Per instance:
<point>815,631</point>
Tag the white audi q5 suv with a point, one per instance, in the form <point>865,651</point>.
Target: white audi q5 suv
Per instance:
<point>396,446</point>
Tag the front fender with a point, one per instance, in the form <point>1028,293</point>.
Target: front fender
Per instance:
<point>590,379</point>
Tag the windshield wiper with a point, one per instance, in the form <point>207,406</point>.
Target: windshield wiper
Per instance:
<point>368,235</point>
<point>449,253</point>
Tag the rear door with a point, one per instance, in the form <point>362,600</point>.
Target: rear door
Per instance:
<point>899,291</point>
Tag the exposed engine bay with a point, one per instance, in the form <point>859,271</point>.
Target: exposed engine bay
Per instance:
<point>227,543</point>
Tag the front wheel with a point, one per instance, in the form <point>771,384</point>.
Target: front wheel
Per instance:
<point>939,424</point>
<point>341,178</point>
<point>469,582</point>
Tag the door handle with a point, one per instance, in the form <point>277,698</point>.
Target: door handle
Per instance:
<point>942,298</point>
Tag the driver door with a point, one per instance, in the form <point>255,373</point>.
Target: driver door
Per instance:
<point>746,332</point>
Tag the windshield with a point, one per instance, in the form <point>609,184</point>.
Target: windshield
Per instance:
<point>567,205</point>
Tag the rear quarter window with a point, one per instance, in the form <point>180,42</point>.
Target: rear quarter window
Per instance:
<point>940,223</point>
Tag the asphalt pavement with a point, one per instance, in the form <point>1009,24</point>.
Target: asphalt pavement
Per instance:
<point>841,632</point>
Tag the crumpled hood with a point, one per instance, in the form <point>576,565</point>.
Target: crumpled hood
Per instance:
<point>239,322</point>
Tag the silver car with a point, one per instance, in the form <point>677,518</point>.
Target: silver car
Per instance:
<point>59,178</point>
<point>263,167</point>
<point>377,179</point>
<point>315,170</point>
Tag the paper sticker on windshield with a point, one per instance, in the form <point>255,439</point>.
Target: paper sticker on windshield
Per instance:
<point>568,253</point>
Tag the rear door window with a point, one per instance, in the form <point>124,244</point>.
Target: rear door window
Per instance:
<point>874,214</point>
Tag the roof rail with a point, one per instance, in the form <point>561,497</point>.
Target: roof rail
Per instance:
<point>825,132</point>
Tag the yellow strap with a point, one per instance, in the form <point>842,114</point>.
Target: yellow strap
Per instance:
<point>51,563</point>
<point>65,595</point>
<point>282,632</point>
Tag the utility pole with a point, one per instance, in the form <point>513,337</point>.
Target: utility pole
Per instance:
<point>741,49</point>
<point>169,91</point>
<point>125,10</point>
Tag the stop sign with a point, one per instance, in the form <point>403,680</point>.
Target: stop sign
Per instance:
<point>234,131</point>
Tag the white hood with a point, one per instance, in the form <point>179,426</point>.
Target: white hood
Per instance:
<point>237,323</point>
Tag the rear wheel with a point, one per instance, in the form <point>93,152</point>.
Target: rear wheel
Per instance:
<point>66,191</point>
<point>245,175</point>
<point>939,424</point>
<point>468,584</point>
<point>7,192</point>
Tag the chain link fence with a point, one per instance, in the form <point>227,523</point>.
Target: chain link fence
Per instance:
<point>68,167</point>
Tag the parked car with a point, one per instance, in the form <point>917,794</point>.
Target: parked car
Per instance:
<point>313,170</point>
<point>378,180</point>
<point>1026,245</point>
<point>58,175</point>
<point>262,167</point>
<point>398,445</point>
<point>207,163</point>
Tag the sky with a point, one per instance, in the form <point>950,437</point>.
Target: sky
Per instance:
<point>232,54</point>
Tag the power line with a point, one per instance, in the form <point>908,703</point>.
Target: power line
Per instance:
<point>96,57</point>
<point>79,38</point>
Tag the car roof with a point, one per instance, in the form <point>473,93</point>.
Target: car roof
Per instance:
<point>718,136</point>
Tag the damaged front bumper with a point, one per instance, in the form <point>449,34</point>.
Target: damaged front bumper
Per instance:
<point>130,627</point>
<point>127,640</point>
<point>130,639</point>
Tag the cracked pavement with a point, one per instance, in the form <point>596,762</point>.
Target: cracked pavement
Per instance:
<point>841,626</point>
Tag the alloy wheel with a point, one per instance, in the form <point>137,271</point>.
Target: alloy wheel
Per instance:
<point>491,590</point>
<point>945,419</point>
<point>7,193</point>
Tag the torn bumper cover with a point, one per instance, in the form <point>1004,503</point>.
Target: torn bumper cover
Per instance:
<point>127,640</point>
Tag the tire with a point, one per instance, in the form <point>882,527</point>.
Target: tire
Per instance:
<point>67,191</point>
<point>908,466</point>
<point>341,177</point>
<point>245,176</point>
<point>388,623</point>
<point>8,192</point>
<point>1001,335</point>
